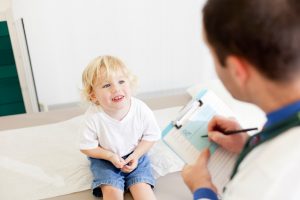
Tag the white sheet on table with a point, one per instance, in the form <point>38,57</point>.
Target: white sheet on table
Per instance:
<point>45,161</point>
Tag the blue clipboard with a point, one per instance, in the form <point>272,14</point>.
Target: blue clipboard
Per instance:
<point>188,127</point>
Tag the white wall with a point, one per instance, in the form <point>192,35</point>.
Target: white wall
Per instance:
<point>4,5</point>
<point>159,40</point>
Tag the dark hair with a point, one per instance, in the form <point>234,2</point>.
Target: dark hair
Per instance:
<point>264,32</point>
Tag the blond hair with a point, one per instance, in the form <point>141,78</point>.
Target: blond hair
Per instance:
<point>103,66</point>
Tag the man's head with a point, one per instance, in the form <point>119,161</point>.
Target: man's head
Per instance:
<point>266,33</point>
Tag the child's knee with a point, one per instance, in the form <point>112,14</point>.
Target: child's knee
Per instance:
<point>108,189</point>
<point>140,186</point>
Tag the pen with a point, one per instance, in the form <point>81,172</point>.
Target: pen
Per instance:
<point>231,132</point>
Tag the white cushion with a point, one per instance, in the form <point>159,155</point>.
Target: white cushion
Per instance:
<point>45,161</point>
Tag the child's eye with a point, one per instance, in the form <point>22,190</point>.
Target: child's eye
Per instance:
<point>106,86</point>
<point>121,81</point>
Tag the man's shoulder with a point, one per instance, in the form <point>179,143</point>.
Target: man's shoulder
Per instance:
<point>290,137</point>
<point>278,150</point>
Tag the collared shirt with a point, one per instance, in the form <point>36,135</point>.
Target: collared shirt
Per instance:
<point>272,118</point>
<point>282,113</point>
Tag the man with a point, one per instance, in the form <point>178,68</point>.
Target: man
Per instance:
<point>256,48</point>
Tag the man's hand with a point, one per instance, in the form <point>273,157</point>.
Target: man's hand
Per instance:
<point>116,160</point>
<point>131,162</point>
<point>197,175</point>
<point>233,143</point>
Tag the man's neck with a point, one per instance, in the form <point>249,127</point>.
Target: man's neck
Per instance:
<point>271,96</point>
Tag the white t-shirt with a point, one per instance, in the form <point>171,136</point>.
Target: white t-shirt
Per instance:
<point>271,171</point>
<point>120,137</point>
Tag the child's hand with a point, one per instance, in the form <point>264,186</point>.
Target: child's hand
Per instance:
<point>131,163</point>
<point>117,161</point>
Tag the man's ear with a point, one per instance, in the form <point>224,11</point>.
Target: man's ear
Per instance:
<point>238,68</point>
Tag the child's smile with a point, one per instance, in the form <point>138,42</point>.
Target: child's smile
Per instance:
<point>113,94</point>
<point>118,98</point>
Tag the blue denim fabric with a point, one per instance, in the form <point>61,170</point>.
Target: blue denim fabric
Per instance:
<point>105,173</point>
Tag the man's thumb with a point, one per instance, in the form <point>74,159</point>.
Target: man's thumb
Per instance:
<point>204,156</point>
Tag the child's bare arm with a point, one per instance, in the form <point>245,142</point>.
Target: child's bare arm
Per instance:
<point>132,160</point>
<point>104,154</point>
<point>142,148</point>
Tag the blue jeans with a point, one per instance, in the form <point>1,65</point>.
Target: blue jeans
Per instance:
<point>105,173</point>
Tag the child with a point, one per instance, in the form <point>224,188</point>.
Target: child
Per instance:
<point>118,135</point>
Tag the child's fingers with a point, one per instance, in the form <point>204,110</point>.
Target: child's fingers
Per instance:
<point>126,169</point>
<point>129,167</point>
<point>122,161</point>
<point>128,159</point>
<point>119,163</point>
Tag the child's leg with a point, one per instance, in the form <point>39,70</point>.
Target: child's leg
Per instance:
<point>108,177</point>
<point>140,181</point>
<point>142,191</point>
<point>111,193</point>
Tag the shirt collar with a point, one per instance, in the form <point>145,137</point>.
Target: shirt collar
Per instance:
<point>282,113</point>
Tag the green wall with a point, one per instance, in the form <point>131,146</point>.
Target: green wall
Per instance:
<point>11,100</point>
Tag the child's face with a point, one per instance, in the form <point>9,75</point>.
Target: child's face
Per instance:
<point>113,94</point>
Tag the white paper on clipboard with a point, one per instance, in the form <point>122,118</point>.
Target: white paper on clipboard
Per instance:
<point>183,135</point>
